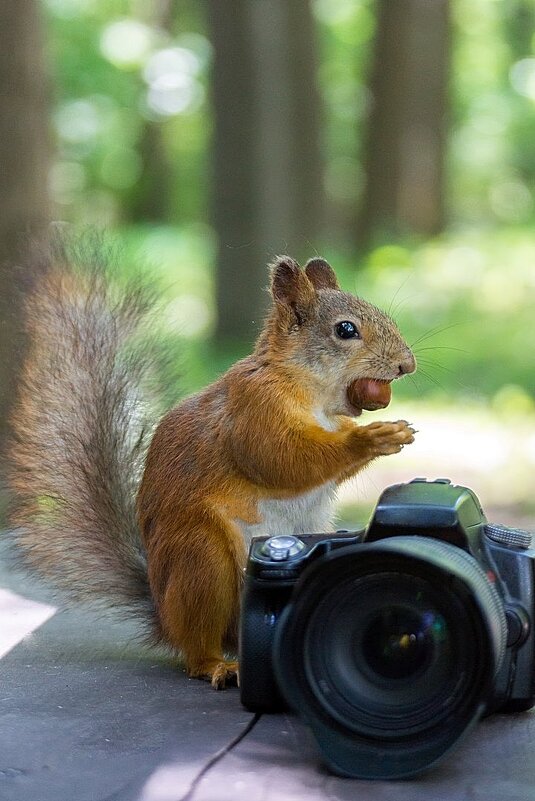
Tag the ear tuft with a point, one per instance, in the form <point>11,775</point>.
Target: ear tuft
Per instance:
<point>321,275</point>
<point>285,273</point>
<point>290,287</point>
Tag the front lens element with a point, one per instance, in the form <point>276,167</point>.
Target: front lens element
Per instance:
<point>399,642</point>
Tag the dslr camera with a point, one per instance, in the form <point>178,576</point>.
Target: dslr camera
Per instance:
<point>391,642</point>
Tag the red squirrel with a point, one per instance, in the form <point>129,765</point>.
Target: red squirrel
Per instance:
<point>260,451</point>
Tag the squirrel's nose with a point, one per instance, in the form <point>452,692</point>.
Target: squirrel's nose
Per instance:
<point>407,365</point>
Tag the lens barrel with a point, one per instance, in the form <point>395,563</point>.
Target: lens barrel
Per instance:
<point>389,651</point>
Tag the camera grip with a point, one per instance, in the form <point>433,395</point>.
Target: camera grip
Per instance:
<point>262,603</point>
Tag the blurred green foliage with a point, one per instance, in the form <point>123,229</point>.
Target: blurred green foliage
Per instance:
<point>115,69</point>
<point>491,154</point>
<point>466,299</point>
<point>114,72</point>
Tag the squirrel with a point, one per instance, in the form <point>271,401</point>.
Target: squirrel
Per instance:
<point>163,531</point>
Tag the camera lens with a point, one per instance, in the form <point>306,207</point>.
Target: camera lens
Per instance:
<point>389,650</point>
<point>383,652</point>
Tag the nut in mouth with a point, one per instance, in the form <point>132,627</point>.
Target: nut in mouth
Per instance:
<point>369,394</point>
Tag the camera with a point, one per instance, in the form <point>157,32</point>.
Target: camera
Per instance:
<point>392,641</point>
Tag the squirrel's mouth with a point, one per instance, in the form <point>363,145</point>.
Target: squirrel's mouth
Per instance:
<point>368,393</point>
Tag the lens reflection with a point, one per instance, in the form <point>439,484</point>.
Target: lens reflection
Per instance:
<point>399,642</point>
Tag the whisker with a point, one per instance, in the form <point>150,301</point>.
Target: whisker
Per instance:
<point>450,372</point>
<point>414,382</point>
<point>432,379</point>
<point>398,290</point>
<point>431,363</point>
<point>435,332</point>
<point>400,304</point>
<point>442,347</point>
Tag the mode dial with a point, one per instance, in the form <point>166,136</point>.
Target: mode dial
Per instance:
<point>282,547</point>
<point>510,537</point>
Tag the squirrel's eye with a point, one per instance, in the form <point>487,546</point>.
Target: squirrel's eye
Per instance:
<point>346,330</point>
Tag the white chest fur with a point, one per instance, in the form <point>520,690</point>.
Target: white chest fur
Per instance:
<point>310,513</point>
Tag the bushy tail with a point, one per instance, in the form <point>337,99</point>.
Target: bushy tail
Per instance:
<point>78,426</point>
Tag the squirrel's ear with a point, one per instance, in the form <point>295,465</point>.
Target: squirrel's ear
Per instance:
<point>291,288</point>
<point>321,275</point>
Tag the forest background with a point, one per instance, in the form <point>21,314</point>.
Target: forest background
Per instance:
<point>394,137</point>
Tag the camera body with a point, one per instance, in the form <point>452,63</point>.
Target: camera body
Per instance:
<point>344,626</point>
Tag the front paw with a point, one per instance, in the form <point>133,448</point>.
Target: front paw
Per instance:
<point>386,438</point>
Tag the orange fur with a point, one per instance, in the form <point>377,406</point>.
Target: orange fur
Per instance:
<point>250,436</point>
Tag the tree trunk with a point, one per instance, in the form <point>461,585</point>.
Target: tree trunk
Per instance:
<point>267,165</point>
<point>404,161</point>
<point>23,169</point>
<point>152,199</point>
<point>239,275</point>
